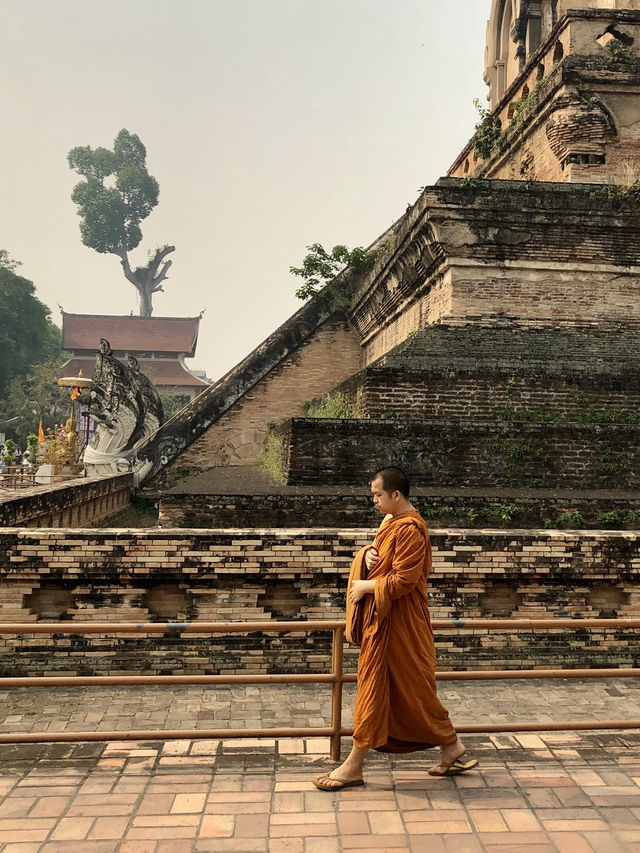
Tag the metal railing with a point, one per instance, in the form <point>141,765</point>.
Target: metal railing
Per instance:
<point>15,477</point>
<point>336,678</point>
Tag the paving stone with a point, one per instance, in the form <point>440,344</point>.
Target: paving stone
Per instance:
<point>580,794</point>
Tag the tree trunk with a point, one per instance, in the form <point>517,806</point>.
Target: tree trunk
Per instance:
<point>146,307</point>
<point>147,279</point>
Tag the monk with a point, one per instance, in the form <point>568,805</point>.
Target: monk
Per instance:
<point>397,707</point>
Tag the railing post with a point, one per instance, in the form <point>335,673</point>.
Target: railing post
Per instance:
<point>336,692</point>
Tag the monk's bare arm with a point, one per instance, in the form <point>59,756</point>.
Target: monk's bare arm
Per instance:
<point>407,566</point>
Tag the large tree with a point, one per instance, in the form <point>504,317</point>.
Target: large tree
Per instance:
<point>34,397</point>
<point>117,193</point>
<point>27,335</point>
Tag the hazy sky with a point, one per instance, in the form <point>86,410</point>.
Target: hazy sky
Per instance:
<point>269,124</point>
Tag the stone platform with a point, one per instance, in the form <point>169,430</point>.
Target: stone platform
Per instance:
<point>562,793</point>
<point>232,496</point>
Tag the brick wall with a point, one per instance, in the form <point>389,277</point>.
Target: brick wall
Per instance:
<point>119,575</point>
<point>74,504</point>
<point>449,395</point>
<point>560,293</point>
<point>464,453</point>
<point>327,357</point>
<point>428,307</point>
<point>343,508</point>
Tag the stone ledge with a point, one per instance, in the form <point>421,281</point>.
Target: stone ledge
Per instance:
<point>66,504</point>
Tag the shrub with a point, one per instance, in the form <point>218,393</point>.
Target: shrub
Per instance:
<point>334,406</point>
<point>271,459</point>
<point>488,131</point>
<point>609,519</point>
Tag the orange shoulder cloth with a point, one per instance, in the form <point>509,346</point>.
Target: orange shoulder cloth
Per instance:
<point>361,612</point>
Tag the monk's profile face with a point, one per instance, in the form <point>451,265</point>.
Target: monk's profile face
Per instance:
<point>386,503</point>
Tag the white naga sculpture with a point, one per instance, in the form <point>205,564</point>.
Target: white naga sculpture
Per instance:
<point>126,409</point>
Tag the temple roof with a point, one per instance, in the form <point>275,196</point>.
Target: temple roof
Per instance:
<point>130,334</point>
<point>162,372</point>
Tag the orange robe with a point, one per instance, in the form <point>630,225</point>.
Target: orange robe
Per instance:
<point>397,707</point>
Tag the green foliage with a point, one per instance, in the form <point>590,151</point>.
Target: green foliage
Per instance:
<point>271,459</point>
<point>171,403</point>
<point>33,447</point>
<point>27,334</point>
<point>618,54</point>
<point>6,262</point>
<point>440,512</point>
<point>9,457</point>
<point>487,133</point>
<point>471,515</point>
<point>111,212</point>
<point>610,519</point>
<point>611,459</point>
<point>621,196</point>
<point>510,384</point>
<point>572,519</point>
<point>631,517</point>
<point>33,396</point>
<point>507,512</point>
<point>588,414</point>
<point>520,107</point>
<point>335,406</point>
<point>337,272</point>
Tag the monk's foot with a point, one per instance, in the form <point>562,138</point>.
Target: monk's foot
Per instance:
<point>346,775</point>
<point>449,754</point>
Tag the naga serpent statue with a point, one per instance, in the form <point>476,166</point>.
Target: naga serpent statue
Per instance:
<point>126,409</point>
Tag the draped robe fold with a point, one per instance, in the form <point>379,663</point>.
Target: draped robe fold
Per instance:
<point>397,707</point>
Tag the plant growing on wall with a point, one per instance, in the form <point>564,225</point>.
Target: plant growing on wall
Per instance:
<point>488,131</point>
<point>336,272</point>
<point>271,459</point>
<point>335,406</point>
<point>618,53</point>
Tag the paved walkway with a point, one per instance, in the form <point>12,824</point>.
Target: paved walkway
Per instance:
<point>573,793</point>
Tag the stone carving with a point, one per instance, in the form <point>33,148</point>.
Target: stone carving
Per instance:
<point>404,271</point>
<point>126,409</point>
<point>579,130</point>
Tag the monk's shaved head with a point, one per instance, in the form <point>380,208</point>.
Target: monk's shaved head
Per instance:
<point>393,480</point>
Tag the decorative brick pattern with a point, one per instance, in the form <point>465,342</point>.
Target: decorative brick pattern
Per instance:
<point>115,575</point>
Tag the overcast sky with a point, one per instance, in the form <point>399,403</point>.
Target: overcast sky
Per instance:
<point>269,125</point>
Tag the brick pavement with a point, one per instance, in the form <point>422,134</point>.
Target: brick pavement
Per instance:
<point>250,706</point>
<point>572,793</point>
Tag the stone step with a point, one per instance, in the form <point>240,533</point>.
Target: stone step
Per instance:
<point>235,497</point>
<point>506,371</point>
<point>457,453</point>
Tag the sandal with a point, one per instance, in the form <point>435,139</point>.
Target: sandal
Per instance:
<point>456,767</point>
<point>342,783</point>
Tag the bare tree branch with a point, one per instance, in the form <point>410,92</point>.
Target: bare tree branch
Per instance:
<point>130,275</point>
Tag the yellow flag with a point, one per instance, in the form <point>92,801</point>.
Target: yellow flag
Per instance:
<point>40,433</point>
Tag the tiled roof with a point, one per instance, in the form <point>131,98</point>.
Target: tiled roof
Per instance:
<point>165,373</point>
<point>130,334</point>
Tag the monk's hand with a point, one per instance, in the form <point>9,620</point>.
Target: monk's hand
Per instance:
<point>358,589</point>
<point>371,558</point>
